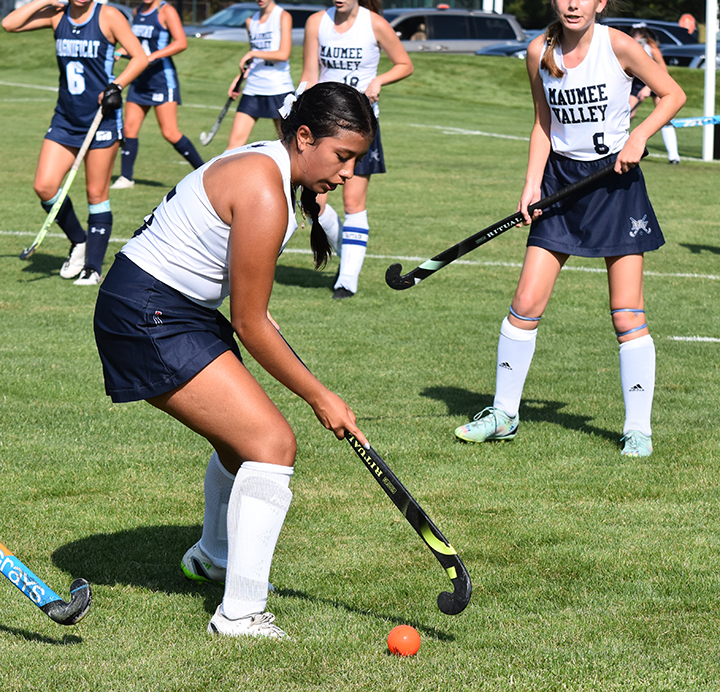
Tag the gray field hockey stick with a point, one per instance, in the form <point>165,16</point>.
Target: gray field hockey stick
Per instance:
<point>448,603</point>
<point>42,595</point>
<point>206,137</point>
<point>395,279</point>
<point>66,186</point>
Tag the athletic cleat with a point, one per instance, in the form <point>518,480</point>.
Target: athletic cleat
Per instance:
<point>636,444</point>
<point>490,424</point>
<point>674,162</point>
<point>75,261</point>
<point>341,292</point>
<point>88,277</point>
<point>196,566</point>
<point>122,183</point>
<point>253,625</point>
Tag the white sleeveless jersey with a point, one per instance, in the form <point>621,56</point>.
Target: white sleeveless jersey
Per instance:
<point>351,58</point>
<point>589,104</point>
<point>184,243</point>
<point>267,78</point>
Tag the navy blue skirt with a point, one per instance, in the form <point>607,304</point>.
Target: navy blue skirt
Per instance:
<point>611,218</point>
<point>262,106</point>
<point>150,337</point>
<point>374,161</point>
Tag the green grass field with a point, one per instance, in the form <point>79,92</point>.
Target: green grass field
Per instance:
<point>591,571</point>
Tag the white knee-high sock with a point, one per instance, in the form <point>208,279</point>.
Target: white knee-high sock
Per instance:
<point>258,504</point>
<point>352,254</point>
<point>218,485</point>
<point>330,221</point>
<point>637,376</point>
<point>670,140</point>
<point>515,353</point>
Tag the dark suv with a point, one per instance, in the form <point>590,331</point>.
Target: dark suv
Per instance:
<point>451,31</point>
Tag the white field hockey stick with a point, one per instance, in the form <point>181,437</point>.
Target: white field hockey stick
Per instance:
<point>206,137</point>
<point>66,186</point>
<point>42,595</point>
<point>696,122</point>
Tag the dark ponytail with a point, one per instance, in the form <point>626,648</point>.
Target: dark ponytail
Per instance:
<point>325,109</point>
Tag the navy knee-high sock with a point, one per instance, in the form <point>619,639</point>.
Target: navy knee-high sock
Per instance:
<point>67,220</point>
<point>129,154</point>
<point>99,230</point>
<point>185,148</point>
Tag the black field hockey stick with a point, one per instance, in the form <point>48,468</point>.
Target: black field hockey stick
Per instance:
<point>207,137</point>
<point>449,603</point>
<point>42,595</point>
<point>66,186</point>
<point>395,279</point>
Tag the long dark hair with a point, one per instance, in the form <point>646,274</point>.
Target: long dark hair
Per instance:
<point>325,109</point>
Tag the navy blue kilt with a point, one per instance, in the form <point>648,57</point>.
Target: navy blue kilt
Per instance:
<point>150,337</point>
<point>64,132</point>
<point>262,106</point>
<point>612,218</point>
<point>374,161</point>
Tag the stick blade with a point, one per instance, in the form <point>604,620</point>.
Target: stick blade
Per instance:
<point>204,139</point>
<point>71,613</point>
<point>394,278</point>
<point>455,602</point>
<point>28,251</point>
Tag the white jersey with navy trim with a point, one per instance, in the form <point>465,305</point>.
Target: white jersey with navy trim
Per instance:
<point>267,78</point>
<point>351,57</point>
<point>589,104</point>
<point>184,243</point>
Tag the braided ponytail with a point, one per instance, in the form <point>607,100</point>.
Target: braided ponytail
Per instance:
<point>548,59</point>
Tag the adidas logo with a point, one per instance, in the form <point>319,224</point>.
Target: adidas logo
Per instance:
<point>636,388</point>
<point>505,365</point>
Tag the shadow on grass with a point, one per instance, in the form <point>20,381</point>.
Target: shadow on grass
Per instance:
<point>305,278</point>
<point>698,249</point>
<point>463,402</point>
<point>67,640</point>
<point>148,557</point>
<point>39,263</point>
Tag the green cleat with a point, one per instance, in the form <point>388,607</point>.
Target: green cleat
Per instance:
<point>490,424</point>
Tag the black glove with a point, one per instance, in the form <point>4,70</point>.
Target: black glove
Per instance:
<point>111,99</point>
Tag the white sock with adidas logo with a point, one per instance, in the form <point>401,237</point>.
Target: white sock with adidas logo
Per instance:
<point>516,348</point>
<point>637,376</point>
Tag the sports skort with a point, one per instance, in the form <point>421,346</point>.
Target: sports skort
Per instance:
<point>150,337</point>
<point>612,218</point>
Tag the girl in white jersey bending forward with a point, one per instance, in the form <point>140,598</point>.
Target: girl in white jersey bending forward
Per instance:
<point>267,70</point>
<point>343,44</point>
<point>580,75</point>
<point>161,337</point>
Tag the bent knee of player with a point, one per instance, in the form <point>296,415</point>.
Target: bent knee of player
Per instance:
<point>629,323</point>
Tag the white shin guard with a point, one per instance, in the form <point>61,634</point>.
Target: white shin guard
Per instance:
<point>352,253</point>
<point>516,348</point>
<point>259,501</point>
<point>637,377</point>
<point>218,485</point>
<point>330,221</point>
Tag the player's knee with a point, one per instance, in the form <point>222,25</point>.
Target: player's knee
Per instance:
<point>525,305</point>
<point>171,134</point>
<point>44,190</point>
<point>281,447</point>
<point>628,322</point>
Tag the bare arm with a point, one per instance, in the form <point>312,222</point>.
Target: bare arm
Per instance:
<point>671,97</point>
<point>170,19</point>
<point>280,55</point>
<point>389,42</point>
<point>38,14</point>
<point>311,50</point>
<point>540,145</point>
<point>246,191</point>
<point>117,30</point>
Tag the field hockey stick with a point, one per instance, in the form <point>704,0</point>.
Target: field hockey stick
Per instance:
<point>206,137</point>
<point>400,282</point>
<point>42,595</point>
<point>66,186</point>
<point>449,603</point>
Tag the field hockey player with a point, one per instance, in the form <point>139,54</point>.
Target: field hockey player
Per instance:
<point>161,338</point>
<point>580,75</point>
<point>352,28</point>
<point>85,38</point>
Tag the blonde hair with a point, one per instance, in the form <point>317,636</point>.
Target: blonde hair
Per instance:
<point>552,36</point>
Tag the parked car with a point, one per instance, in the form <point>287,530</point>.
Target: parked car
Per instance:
<point>451,31</point>
<point>511,49</point>
<point>667,33</point>
<point>692,55</point>
<point>127,11</point>
<point>229,24</point>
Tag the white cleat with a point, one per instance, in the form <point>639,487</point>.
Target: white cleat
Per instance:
<point>253,625</point>
<point>88,277</point>
<point>122,183</point>
<point>75,261</point>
